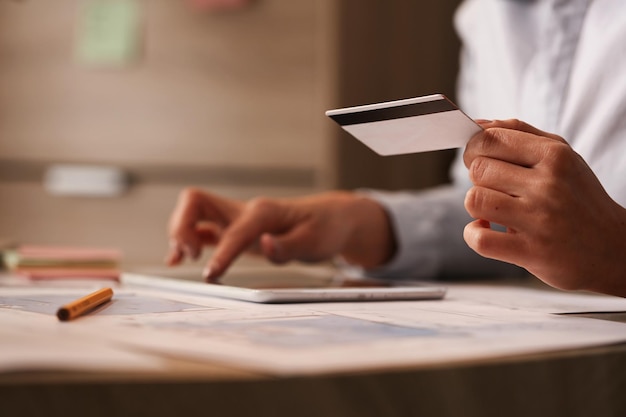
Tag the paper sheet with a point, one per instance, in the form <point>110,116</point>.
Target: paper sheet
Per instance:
<point>318,338</point>
<point>473,322</point>
<point>39,342</point>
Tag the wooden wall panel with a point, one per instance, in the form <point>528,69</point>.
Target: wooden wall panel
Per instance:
<point>226,89</point>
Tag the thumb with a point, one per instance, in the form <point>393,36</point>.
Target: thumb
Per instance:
<point>296,244</point>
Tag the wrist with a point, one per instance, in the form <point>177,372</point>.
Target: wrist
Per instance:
<point>611,278</point>
<point>371,241</point>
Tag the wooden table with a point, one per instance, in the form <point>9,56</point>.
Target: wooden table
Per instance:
<point>588,382</point>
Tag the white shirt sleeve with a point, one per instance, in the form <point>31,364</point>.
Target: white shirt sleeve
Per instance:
<point>428,227</point>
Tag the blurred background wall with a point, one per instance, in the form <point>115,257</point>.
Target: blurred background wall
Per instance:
<point>232,102</point>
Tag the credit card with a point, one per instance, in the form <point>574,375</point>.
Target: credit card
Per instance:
<point>412,125</point>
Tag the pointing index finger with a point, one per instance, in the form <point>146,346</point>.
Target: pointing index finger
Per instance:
<point>260,216</point>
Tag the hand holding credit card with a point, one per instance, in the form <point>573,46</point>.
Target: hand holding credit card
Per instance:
<point>419,124</point>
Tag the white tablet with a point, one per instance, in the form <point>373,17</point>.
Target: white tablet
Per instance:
<point>293,286</point>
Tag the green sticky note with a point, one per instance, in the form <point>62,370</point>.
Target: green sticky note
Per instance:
<point>108,33</point>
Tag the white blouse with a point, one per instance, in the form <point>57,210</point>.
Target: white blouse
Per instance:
<point>559,65</point>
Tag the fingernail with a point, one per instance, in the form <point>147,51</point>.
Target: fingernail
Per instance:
<point>483,121</point>
<point>206,273</point>
<point>174,254</point>
<point>210,273</point>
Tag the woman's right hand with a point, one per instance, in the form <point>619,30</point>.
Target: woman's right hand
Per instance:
<point>309,229</point>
